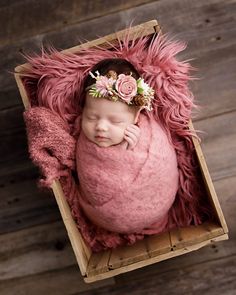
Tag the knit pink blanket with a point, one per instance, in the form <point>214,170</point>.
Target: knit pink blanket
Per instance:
<point>129,191</point>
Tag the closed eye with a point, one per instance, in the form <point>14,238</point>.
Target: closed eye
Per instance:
<point>91,118</point>
<point>116,122</point>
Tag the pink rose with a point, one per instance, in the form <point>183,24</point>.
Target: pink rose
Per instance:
<point>126,86</point>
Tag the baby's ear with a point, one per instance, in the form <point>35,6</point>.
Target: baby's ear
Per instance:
<point>138,110</point>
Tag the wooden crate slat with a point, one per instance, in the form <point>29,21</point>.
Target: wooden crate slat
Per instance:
<point>208,181</point>
<point>82,251</point>
<point>98,263</point>
<point>158,244</point>
<point>147,28</point>
<point>23,93</point>
<point>188,236</point>
<point>126,255</point>
<point>152,260</point>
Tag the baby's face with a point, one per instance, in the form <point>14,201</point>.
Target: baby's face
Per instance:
<point>104,121</point>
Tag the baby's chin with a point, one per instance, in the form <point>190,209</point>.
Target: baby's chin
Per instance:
<point>103,144</point>
<point>106,143</point>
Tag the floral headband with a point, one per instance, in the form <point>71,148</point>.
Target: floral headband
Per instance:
<point>122,87</point>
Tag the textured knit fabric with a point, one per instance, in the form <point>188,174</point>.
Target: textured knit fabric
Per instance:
<point>127,191</point>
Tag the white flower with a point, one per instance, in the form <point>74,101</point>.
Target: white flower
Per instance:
<point>143,86</point>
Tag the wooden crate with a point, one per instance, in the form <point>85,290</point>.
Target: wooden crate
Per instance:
<point>98,266</point>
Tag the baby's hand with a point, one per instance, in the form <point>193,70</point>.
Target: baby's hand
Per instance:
<point>132,134</point>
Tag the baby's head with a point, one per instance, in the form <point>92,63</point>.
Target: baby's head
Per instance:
<point>104,120</point>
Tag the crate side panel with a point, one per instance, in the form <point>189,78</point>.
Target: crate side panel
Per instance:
<point>82,252</point>
<point>208,182</point>
<point>112,39</point>
<point>191,235</point>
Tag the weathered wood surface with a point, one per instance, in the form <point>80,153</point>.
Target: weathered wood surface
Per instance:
<point>35,253</point>
<point>30,18</point>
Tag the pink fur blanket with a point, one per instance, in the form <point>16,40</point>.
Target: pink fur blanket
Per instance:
<point>54,83</point>
<point>129,191</point>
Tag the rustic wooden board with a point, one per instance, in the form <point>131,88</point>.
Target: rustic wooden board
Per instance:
<point>22,251</point>
<point>131,254</point>
<point>34,20</point>
<point>226,191</point>
<point>188,236</point>
<point>158,244</point>
<point>147,248</point>
<point>99,263</point>
<point>23,204</point>
<point>219,143</point>
<point>17,169</point>
<point>80,248</point>
<point>59,281</point>
<point>213,277</point>
<point>213,252</point>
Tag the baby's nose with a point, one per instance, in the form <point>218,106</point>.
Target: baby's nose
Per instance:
<point>101,125</point>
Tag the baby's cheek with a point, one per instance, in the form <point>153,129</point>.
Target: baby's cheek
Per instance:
<point>87,129</point>
<point>119,131</point>
<point>83,126</point>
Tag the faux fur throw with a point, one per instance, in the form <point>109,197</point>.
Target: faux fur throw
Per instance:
<point>129,191</point>
<point>54,84</point>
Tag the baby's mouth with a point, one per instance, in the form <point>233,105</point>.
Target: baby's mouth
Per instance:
<point>101,138</point>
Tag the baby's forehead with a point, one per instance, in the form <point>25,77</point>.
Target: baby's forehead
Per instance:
<point>104,104</point>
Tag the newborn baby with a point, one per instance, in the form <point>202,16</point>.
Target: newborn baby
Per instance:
<point>108,123</point>
<point>128,174</point>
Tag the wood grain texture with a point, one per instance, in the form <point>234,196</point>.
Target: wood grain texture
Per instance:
<point>213,277</point>
<point>184,237</point>
<point>59,281</point>
<point>23,256</point>
<point>30,266</point>
<point>219,144</point>
<point>36,17</point>
<point>23,205</point>
<point>98,263</point>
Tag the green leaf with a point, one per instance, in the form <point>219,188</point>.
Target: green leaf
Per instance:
<point>140,90</point>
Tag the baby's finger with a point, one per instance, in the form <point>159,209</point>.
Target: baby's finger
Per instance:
<point>134,129</point>
<point>124,144</point>
<point>131,135</point>
<point>134,137</point>
<point>130,142</point>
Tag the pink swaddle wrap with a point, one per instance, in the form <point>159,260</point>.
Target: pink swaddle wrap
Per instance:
<point>129,191</point>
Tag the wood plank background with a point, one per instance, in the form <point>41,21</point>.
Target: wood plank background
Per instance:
<point>35,253</point>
